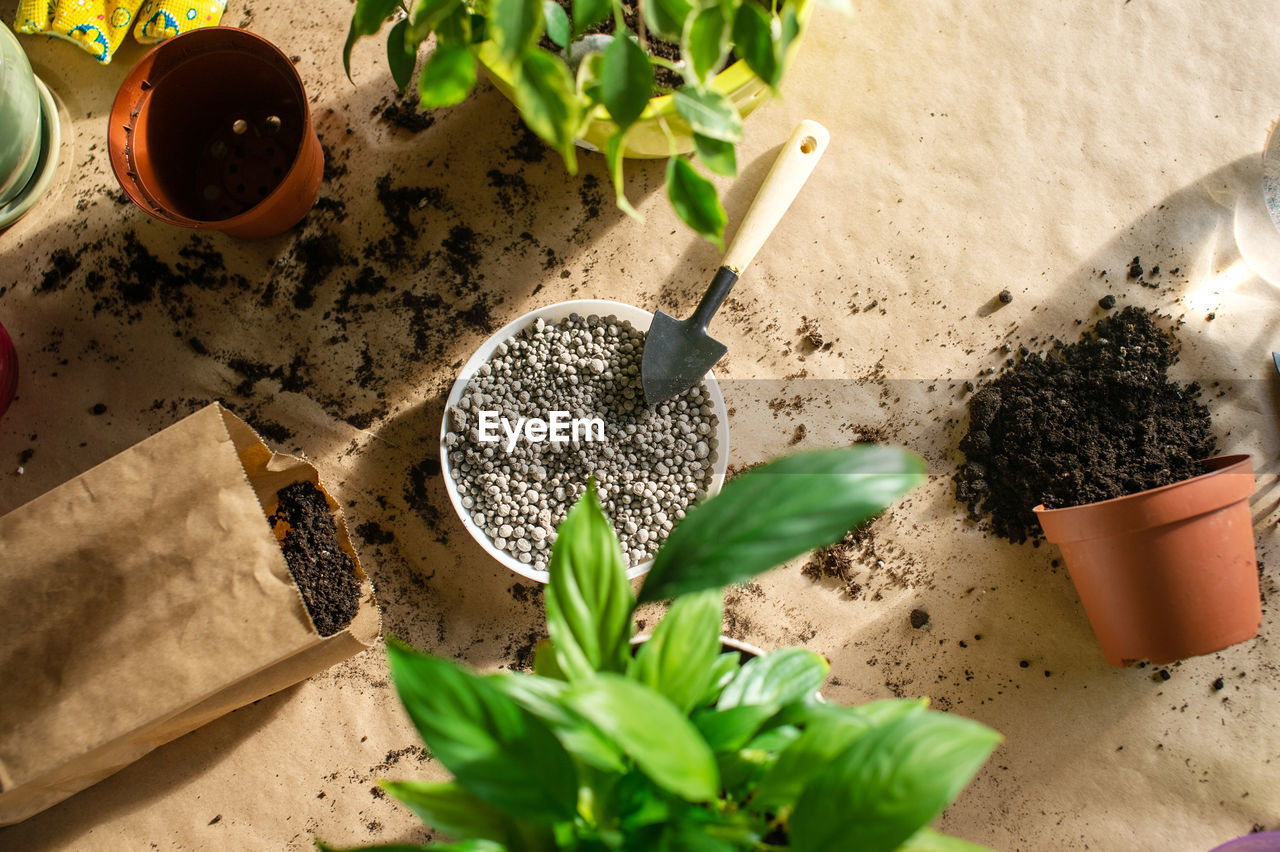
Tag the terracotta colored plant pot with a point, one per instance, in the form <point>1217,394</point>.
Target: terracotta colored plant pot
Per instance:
<point>212,130</point>
<point>1167,573</point>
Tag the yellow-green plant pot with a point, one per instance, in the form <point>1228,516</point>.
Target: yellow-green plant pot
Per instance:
<point>646,139</point>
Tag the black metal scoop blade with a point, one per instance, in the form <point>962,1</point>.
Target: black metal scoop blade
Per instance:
<point>677,353</point>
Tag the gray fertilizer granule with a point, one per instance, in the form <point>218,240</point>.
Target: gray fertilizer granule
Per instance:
<point>559,403</point>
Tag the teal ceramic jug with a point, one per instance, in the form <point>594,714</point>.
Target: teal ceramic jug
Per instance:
<point>19,118</point>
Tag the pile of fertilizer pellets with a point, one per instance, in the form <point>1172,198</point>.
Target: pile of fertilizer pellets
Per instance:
<point>652,464</point>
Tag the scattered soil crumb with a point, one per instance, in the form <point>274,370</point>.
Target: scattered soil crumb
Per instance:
<point>811,334</point>
<point>406,114</point>
<point>861,566</point>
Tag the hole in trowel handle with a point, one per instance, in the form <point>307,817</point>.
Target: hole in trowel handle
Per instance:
<point>808,145</point>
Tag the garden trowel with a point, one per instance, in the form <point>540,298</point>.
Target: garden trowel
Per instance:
<point>677,353</point>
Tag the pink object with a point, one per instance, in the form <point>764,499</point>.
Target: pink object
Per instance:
<point>8,370</point>
<point>1267,841</point>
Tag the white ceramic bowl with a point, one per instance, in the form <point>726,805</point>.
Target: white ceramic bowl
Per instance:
<point>553,313</point>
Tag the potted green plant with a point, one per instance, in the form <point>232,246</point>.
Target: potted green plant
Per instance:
<point>638,78</point>
<point>682,746</point>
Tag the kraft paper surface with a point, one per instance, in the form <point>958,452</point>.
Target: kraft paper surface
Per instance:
<point>146,597</point>
<point>976,147</point>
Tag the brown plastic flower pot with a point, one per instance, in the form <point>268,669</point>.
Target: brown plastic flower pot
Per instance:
<point>1167,573</point>
<point>212,130</point>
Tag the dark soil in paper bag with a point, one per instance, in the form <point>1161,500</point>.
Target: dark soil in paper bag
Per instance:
<point>325,575</point>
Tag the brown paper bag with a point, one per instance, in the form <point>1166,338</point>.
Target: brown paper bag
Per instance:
<point>146,597</point>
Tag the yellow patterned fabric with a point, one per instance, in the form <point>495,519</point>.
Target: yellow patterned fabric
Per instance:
<point>99,26</point>
<point>162,19</point>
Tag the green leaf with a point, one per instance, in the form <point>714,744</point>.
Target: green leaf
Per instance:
<point>695,201</point>
<point>367,19</point>
<point>544,93</point>
<point>557,22</point>
<point>545,662</point>
<point>761,688</point>
<point>449,808</point>
<point>822,740</point>
<point>717,156</point>
<point>788,33</point>
<point>709,113</point>
<point>369,15</point>
<point>694,834</point>
<point>398,57</point>
<point>928,840</point>
<point>544,698</point>
<point>666,17</point>
<point>587,81</point>
<point>588,13</point>
<point>516,26</point>
<point>890,782</point>
<point>448,76</point>
<point>775,739</point>
<point>741,770</point>
<point>779,511</point>
<point>638,803</point>
<point>426,15</point>
<point>455,29</point>
<point>613,149</point>
<point>649,728</point>
<point>723,668</point>
<point>753,41</point>
<point>731,729</point>
<point>626,80</point>
<point>776,679</point>
<point>706,41</point>
<point>677,659</point>
<point>588,596</point>
<point>498,750</point>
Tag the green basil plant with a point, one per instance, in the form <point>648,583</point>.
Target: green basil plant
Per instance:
<point>682,746</point>
<point>560,71</point>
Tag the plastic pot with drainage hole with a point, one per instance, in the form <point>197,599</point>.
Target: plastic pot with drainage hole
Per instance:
<point>212,130</point>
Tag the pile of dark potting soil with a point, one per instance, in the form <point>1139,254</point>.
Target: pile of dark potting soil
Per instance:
<point>1087,421</point>
<point>323,572</point>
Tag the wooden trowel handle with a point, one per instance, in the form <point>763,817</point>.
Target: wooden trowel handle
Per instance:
<point>792,168</point>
